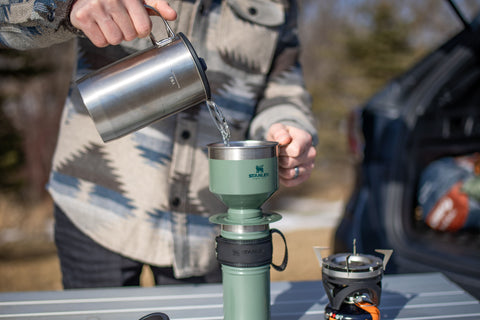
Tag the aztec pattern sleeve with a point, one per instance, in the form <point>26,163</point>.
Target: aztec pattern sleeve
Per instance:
<point>285,99</point>
<point>29,24</point>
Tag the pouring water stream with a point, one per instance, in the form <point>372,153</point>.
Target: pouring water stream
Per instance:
<point>220,121</point>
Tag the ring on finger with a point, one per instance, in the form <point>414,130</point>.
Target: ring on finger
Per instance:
<point>297,172</point>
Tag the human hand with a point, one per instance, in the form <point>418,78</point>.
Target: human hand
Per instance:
<point>296,151</point>
<point>107,22</point>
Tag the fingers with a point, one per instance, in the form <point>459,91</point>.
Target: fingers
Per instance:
<point>299,151</point>
<point>136,22</point>
<point>109,22</point>
<point>301,170</point>
<point>296,153</point>
<point>296,158</point>
<point>288,179</point>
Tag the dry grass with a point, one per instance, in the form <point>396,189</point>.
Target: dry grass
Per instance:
<point>28,258</point>
<point>38,272</point>
<point>302,262</point>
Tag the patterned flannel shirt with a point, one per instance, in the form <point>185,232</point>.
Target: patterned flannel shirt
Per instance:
<point>146,195</point>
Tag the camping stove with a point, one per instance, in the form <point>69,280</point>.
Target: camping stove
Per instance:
<point>353,284</point>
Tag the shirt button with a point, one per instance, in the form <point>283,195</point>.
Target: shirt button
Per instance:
<point>185,134</point>
<point>175,202</point>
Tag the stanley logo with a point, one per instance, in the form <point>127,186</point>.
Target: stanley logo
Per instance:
<point>259,172</point>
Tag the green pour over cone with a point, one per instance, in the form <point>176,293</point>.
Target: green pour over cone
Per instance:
<point>243,174</point>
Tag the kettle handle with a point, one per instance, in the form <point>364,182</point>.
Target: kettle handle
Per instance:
<point>170,32</point>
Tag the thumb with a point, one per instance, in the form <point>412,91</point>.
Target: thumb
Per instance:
<point>167,12</point>
<point>279,133</point>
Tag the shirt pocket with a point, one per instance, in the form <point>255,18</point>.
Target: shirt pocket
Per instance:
<point>248,32</point>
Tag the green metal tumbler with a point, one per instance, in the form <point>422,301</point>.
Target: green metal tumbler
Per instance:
<point>244,174</point>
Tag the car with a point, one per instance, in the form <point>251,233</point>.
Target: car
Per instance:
<point>430,112</point>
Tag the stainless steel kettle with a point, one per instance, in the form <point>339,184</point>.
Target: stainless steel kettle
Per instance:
<point>146,86</point>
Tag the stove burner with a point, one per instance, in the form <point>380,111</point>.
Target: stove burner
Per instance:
<point>346,265</point>
<point>353,284</point>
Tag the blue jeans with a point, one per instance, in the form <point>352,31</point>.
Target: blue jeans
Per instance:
<point>86,264</point>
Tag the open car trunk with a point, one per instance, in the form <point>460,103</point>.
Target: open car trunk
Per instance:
<point>430,112</point>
